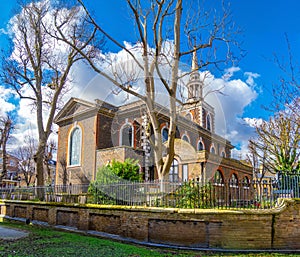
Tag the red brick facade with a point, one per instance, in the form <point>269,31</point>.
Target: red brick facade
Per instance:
<point>105,132</point>
<point>103,125</point>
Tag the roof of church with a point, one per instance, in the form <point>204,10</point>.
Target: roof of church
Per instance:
<point>76,107</point>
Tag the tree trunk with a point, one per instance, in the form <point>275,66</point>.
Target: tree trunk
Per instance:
<point>4,164</point>
<point>39,159</point>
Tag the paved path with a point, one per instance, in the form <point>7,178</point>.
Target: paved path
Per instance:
<point>11,234</point>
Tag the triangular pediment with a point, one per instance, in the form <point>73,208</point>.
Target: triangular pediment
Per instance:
<point>73,108</point>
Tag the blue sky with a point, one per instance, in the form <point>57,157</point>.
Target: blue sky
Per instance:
<point>264,24</point>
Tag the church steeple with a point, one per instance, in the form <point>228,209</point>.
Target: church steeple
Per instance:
<point>194,86</point>
<point>196,108</point>
<point>195,66</point>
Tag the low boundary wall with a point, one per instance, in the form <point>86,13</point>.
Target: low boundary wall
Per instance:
<point>223,229</point>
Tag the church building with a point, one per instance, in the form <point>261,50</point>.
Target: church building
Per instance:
<point>92,134</point>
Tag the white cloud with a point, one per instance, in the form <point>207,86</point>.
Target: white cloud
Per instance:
<point>229,72</point>
<point>253,122</point>
<point>3,31</point>
<point>51,46</point>
<point>26,113</point>
<point>5,101</point>
<point>250,78</point>
<point>230,106</point>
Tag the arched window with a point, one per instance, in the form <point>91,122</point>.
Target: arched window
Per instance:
<point>218,178</point>
<point>173,174</point>
<point>246,182</point>
<point>200,146</point>
<point>213,150</point>
<point>185,138</point>
<point>208,122</point>
<point>75,146</point>
<point>223,154</point>
<point>127,135</point>
<point>234,182</point>
<point>164,134</point>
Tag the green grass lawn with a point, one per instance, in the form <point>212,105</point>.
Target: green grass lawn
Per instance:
<point>49,242</point>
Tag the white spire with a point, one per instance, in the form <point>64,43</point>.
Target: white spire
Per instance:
<point>195,60</point>
<point>194,85</point>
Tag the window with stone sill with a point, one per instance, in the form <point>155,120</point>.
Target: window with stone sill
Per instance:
<point>75,147</point>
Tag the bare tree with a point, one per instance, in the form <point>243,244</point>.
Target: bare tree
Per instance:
<point>48,159</point>
<point>6,128</point>
<point>26,156</point>
<point>39,66</point>
<point>168,32</point>
<point>257,158</point>
<point>286,93</point>
<point>278,140</point>
<point>63,164</point>
<point>278,144</point>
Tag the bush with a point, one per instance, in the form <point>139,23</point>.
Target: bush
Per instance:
<point>128,170</point>
<point>118,173</point>
<point>194,195</point>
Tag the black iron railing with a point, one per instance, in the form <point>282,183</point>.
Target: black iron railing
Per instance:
<point>192,194</point>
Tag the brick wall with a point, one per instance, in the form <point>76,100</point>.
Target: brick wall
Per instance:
<point>224,229</point>
<point>120,153</point>
<point>83,173</point>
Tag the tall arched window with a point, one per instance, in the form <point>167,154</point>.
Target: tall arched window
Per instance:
<point>164,134</point>
<point>200,146</point>
<point>208,122</point>
<point>75,146</point>
<point>234,182</point>
<point>246,182</point>
<point>185,138</point>
<point>173,174</point>
<point>218,178</point>
<point>212,149</point>
<point>126,135</point>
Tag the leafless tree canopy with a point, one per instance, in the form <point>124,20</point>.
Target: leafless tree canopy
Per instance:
<point>278,144</point>
<point>39,65</point>
<point>26,156</point>
<point>286,92</point>
<point>167,33</point>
